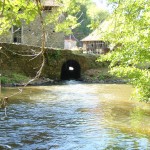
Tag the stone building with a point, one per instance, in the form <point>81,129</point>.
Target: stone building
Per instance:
<point>70,42</point>
<point>31,34</point>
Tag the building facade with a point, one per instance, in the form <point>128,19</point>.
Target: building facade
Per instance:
<point>70,42</point>
<point>31,34</point>
<point>93,44</point>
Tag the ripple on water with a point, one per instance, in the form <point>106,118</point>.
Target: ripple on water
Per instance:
<point>75,116</point>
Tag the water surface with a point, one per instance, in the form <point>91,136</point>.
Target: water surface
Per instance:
<point>75,116</point>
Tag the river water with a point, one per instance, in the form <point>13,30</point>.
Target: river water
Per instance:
<point>75,116</point>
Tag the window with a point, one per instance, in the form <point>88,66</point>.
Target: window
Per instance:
<point>48,8</point>
<point>17,34</point>
<point>100,44</point>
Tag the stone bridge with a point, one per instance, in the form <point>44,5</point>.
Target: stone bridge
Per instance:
<point>59,64</point>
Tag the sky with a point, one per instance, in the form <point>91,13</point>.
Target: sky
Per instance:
<point>101,3</point>
<point>104,5</point>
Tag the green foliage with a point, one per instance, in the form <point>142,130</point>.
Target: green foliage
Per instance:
<point>4,80</point>
<point>82,30</point>
<point>90,16</point>
<point>13,78</point>
<point>129,31</point>
<point>96,15</point>
<point>16,11</point>
<point>101,77</point>
<point>72,15</point>
<point>67,15</point>
<point>55,55</point>
<point>140,78</point>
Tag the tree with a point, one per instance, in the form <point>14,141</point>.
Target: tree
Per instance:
<point>82,30</point>
<point>89,17</point>
<point>97,15</point>
<point>13,12</point>
<point>129,31</point>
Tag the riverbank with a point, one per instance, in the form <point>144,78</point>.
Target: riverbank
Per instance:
<point>101,76</point>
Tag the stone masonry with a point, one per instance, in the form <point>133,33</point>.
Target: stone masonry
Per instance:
<point>20,59</point>
<point>31,34</point>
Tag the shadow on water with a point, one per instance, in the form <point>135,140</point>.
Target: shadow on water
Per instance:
<point>75,116</point>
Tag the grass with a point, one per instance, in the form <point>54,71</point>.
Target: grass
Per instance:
<point>13,78</point>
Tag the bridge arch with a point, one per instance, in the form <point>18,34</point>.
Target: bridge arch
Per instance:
<point>70,70</point>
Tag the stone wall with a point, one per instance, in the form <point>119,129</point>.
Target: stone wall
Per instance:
<point>31,34</point>
<point>6,37</point>
<point>18,58</point>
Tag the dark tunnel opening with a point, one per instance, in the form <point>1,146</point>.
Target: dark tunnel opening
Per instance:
<point>70,70</point>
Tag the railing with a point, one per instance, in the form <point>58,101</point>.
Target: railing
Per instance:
<point>96,51</point>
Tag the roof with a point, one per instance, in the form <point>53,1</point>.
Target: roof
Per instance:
<point>50,3</point>
<point>97,34</point>
<point>94,36</point>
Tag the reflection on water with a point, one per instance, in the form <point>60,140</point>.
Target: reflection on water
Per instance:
<point>75,116</point>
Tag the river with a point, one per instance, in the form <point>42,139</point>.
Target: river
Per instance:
<point>75,116</point>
